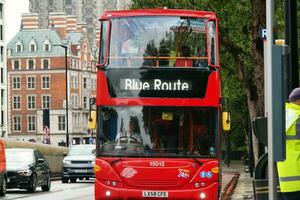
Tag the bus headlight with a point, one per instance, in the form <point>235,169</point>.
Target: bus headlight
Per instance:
<point>202,195</point>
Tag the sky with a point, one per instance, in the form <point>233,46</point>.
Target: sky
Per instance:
<point>13,11</point>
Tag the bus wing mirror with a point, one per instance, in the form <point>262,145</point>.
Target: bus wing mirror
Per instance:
<point>226,121</point>
<point>92,120</point>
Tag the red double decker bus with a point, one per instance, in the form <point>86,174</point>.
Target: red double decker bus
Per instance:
<point>158,102</point>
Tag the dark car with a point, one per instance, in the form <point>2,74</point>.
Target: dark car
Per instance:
<point>79,163</point>
<point>27,169</point>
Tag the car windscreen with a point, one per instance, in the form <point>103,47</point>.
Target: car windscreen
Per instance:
<point>19,157</point>
<point>78,150</point>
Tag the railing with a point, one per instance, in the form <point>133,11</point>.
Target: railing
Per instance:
<point>157,61</point>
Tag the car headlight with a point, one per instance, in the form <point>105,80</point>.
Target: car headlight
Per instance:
<point>27,172</point>
<point>67,161</point>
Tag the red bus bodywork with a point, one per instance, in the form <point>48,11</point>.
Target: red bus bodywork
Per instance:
<point>161,177</point>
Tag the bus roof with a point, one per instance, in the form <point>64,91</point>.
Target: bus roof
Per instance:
<point>158,12</point>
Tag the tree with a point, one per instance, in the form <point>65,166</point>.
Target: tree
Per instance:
<point>241,51</point>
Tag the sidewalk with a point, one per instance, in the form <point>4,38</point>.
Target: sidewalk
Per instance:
<point>236,183</point>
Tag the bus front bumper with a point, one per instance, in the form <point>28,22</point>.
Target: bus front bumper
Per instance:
<point>106,192</point>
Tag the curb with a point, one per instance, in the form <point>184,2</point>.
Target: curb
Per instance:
<point>229,189</point>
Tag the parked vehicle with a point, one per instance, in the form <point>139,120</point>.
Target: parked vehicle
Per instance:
<point>3,175</point>
<point>27,169</point>
<point>79,163</point>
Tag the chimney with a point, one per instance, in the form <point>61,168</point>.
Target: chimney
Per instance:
<point>58,21</point>
<point>30,21</point>
<point>71,23</point>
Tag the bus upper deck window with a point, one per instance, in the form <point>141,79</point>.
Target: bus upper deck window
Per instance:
<point>212,43</point>
<point>103,43</point>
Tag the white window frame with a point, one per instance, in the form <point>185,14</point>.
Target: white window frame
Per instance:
<point>75,101</point>
<point>28,63</point>
<point>32,43</point>
<point>74,82</point>
<point>30,122</point>
<point>46,101</point>
<point>17,44</point>
<point>61,120</point>
<point>85,102</point>
<point>46,42</point>
<point>13,64</point>
<point>31,105</point>
<point>14,123</point>
<point>14,103</point>
<point>45,83</point>
<point>31,85</point>
<point>42,63</point>
<point>13,84</point>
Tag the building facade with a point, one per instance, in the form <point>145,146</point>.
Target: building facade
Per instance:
<point>85,11</point>
<point>3,78</point>
<point>36,80</point>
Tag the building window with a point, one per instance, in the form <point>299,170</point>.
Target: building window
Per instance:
<point>19,46</point>
<point>16,123</point>
<point>1,11</point>
<point>32,46</point>
<point>16,64</point>
<point>45,64</point>
<point>85,102</point>
<point>74,82</point>
<point>74,100</point>
<point>1,32</point>
<point>30,64</point>
<point>61,122</point>
<point>45,82</point>
<point>2,76</point>
<point>16,102</point>
<point>30,82</point>
<point>85,84</point>
<point>46,100</point>
<point>1,53</point>
<point>16,83</point>
<point>47,45</point>
<point>30,102</point>
<point>31,123</point>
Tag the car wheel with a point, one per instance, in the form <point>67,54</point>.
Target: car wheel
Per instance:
<point>3,187</point>
<point>64,180</point>
<point>32,189</point>
<point>73,180</point>
<point>48,184</point>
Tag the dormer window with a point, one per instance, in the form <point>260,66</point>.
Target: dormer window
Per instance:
<point>32,46</point>
<point>19,46</point>
<point>47,45</point>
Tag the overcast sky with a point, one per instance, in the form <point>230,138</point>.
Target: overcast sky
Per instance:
<point>13,11</point>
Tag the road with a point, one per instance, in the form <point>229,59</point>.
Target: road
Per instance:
<point>81,190</point>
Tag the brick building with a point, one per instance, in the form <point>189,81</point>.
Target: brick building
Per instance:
<point>36,79</point>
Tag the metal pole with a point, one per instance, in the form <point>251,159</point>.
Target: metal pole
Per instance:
<point>66,77</point>
<point>67,109</point>
<point>271,164</point>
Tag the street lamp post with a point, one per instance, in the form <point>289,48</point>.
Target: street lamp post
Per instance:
<point>66,74</point>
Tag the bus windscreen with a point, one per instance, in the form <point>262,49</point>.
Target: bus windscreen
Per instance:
<point>145,131</point>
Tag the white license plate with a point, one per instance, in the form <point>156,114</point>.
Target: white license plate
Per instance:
<point>80,170</point>
<point>159,194</point>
